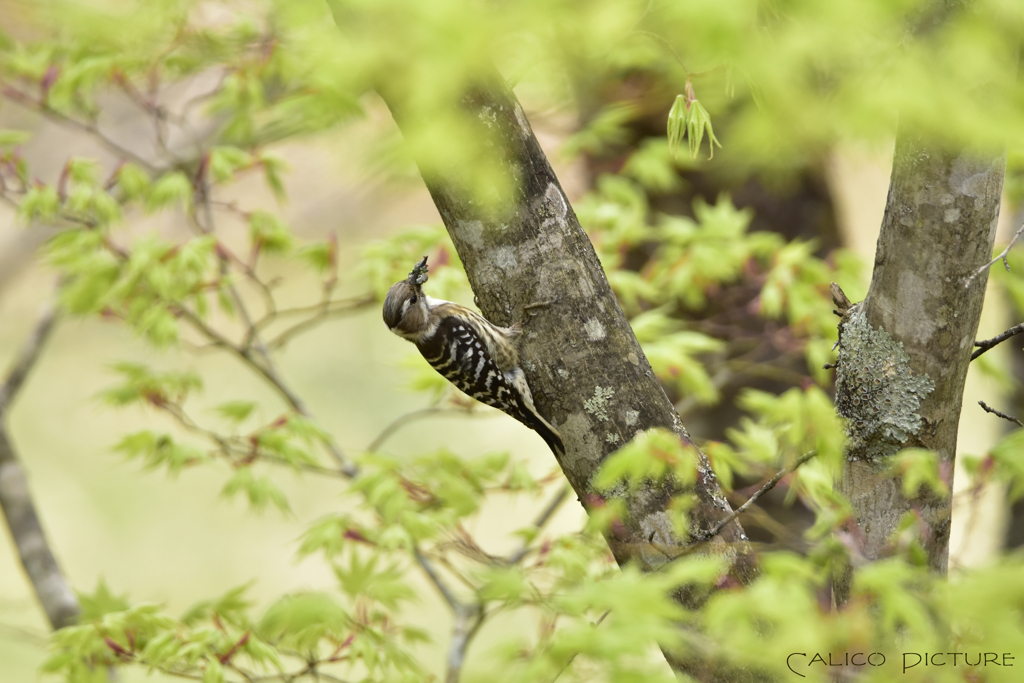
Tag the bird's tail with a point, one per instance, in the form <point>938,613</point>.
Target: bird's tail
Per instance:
<point>550,435</point>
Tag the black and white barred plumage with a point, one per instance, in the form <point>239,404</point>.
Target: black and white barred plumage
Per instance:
<point>469,351</point>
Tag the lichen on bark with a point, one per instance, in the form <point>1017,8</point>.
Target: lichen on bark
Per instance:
<point>876,389</point>
<point>939,227</point>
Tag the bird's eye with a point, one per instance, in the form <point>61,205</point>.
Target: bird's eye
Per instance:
<point>413,300</point>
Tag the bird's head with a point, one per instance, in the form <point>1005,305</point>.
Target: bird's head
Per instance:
<point>406,306</point>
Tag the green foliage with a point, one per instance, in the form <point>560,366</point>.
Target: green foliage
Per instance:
<point>652,456</point>
<point>691,258</point>
<point>806,76</point>
<point>39,204</point>
<point>672,353</point>
<point>232,607</point>
<point>688,118</point>
<point>269,233</point>
<point>653,166</point>
<point>225,162</point>
<point>386,585</point>
<point>159,450</point>
<point>416,500</point>
<point>100,602</point>
<point>133,181</point>
<point>13,138</point>
<point>147,286</point>
<point>788,426</point>
<point>236,411</point>
<point>1008,458</point>
<point>140,384</point>
<point>173,189</point>
<point>919,469</point>
<point>607,127</point>
<point>260,491</point>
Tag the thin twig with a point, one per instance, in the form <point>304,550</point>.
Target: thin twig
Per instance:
<point>406,418</point>
<point>325,312</point>
<point>985,345</point>
<point>1002,255</point>
<point>335,306</point>
<point>26,100</point>
<point>265,367</point>
<point>995,412</point>
<point>542,519</point>
<point>435,578</point>
<point>208,227</point>
<point>768,486</point>
<point>31,637</point>
<point>574,655</point>
<point>270,374</point>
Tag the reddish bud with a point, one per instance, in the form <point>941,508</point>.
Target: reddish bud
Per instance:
<point>226,657</point>
<point>112,644</point>
<point>354,535</point>
<point>49,78</point>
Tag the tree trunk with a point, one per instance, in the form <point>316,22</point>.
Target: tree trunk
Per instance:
<point>904,351</point>
<point>587,371</point>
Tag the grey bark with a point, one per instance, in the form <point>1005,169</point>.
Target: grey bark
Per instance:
<point>48,581</point>
<point>588,373</point>
<point>905,350</point>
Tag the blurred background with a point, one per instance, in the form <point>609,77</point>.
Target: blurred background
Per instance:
<point>177,541</point>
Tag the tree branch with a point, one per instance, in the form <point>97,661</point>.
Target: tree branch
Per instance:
<point>26,100</point>
<point>768,486</point>
<point>268,372</point>
<point>435,578</point>
<point>1002,255</point>
<point>542,519</point>
<point>587,372</point>
<point>27,357</point>
<point>406,418</point>
<point>468,619</point>
<point>48,581</point>
<point>985,345</point>
<point>995,412</point>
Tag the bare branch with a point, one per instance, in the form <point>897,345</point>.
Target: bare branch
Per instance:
<point>264,367</point>
<point>1002,255</point>
<point>26,100</point>
<point>987,344</point>
<point>27,357</point>
<point>406,418</point>
<point>995,412</point>
<point>542,519</point>
<point>270,374</point>
<point>48,581</point>
<point>435,578</point>
<point>325,311</point>
<point>768,486</point>
<point>468,619</point>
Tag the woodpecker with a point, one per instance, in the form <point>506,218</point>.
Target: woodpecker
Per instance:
<point>472,353</point>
